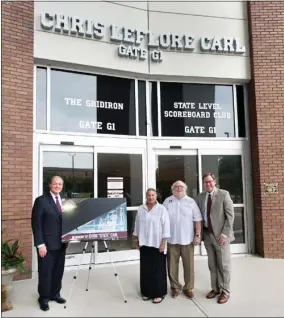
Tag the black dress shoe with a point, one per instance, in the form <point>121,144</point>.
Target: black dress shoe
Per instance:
<point>59,300</point>
<point>43,305</point>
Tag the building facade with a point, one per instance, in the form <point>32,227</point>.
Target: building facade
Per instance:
<point>148,93</point>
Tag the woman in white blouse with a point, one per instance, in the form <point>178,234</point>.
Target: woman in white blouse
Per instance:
<point>152,228</point>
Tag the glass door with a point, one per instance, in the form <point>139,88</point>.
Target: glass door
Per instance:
<point>129,166</point>
<point>86,171</point>
<point>189,166</point>
<point>76,166</point>
<point>228,167</point>
<point>173,165</point>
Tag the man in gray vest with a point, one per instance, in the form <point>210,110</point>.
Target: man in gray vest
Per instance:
<point>217,210</point>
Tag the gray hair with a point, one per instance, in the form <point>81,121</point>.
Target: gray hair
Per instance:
<point>175,183</point>
<point>55,177</point>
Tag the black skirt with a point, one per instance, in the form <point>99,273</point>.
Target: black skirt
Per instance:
<point>153,272</point>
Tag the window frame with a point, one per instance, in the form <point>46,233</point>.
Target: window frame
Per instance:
<point>148,111</point>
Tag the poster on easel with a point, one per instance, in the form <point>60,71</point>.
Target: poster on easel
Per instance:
<point>94,219</point>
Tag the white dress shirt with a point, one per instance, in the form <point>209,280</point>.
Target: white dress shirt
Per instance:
<point>182,213</point>
<point>54,198</point>
<point>152,226</point>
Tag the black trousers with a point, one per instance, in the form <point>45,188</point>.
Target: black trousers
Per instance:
<point>50,273</point>
<point>153,272</point>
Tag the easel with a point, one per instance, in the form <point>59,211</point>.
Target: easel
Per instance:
<point>92,259</point>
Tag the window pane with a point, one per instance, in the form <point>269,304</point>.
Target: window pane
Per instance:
<point>172,168</point>
<point>153,108</point>
<point>126,166</point>
<point>92,104</point>
<point>241,111</point>
<point>120,92</point>
<point>77,171</point>
<point>142,108</point>
<point>41,98</point>
<point>197,110</point>
<point>228,172</point>
<point>239,226</point>
<point>70,95</point>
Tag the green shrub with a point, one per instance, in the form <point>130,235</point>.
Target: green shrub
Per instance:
<point>12,257</point>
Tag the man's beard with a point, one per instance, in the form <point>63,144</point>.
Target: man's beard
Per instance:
<point>179,195</point>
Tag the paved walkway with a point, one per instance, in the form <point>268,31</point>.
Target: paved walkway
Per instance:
<point>257,291</point>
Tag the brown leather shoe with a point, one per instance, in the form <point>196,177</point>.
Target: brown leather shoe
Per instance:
<point>212,294</point>
<point>175,293</point>
<point>188,293</point>
<point>223,298</point>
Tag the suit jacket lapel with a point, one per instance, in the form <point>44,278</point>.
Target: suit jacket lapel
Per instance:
<point>203,204</point>
<point>214,198</point>
<point>52,203</point>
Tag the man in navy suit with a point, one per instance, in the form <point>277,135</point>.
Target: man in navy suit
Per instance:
<point>47,231</point>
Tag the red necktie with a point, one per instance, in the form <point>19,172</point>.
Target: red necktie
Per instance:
<point>58,205</point>
<point>209,204</point>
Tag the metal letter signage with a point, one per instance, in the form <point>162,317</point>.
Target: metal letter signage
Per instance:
<point>129,39</point>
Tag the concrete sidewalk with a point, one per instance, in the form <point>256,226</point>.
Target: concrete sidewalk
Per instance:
<point>257,291</point>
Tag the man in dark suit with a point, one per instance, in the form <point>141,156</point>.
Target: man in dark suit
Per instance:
<point>47,232</point>
<point>217,209</point>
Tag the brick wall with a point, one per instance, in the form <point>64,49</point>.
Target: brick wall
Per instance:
<point>267,123</point>
<point>17,123</point>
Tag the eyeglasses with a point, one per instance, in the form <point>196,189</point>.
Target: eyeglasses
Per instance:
<point>210,181</point>
<point>179,186</point>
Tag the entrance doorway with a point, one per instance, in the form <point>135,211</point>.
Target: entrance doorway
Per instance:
<point>86,171</point>
<point>229,169</point>
<point>189,166</point>
<point>171,166</point>
<point>130,166</point>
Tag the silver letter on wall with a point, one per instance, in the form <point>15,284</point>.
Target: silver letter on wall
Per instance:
<point>176,41</point>
<point>139,36</point>
<point>121,50</point>
<point>165,40</point>
<point>61,22</point>
<point>143,54</point>
<point>128,35</point>
<point>216,45</point>
<point>188,42</point>
<point>89,28</point>
<point>239,48</point>
<point>114,34</point>
<point>77,26</point>
<point>153,40</point>
<point>46,21</point>
<point>99,30</point>
<point>205,44</point>
<point>228,44</point>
